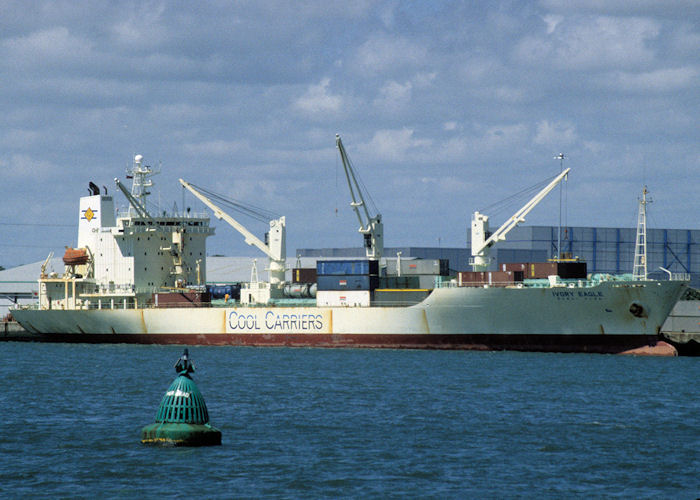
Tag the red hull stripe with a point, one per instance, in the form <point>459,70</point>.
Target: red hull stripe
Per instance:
<point>608,344</point>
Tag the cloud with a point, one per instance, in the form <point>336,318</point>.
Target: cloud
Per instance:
<point>508,94</point>
<point>552,21</point>
<point>621,7</point>
<point>661,80</point>
<point>318,100</point>
<point>590,42</point>
<point>480,69</point>
<point>482,144</point>
<point>555,134</point>
<point>51,46</point>
<point>255,91</point>
<point>24,165</point>
<point>447,184</point>
<point>216,148</point>
<point>394,145</point>
<point>20,138</point>
<point>383,54</point>
<point>394,96</point>
<point>143,26</point>
<point>449,126</point>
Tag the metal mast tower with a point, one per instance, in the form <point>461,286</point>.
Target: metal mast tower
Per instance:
<point>639,271</point>
<point>141,183</point>
<point>561,157</point>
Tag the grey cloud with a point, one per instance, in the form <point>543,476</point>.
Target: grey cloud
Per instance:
<point>450,105</point>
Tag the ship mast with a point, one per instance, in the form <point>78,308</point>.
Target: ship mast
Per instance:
<point>561,157</point>
<point>639,271</point>
<point>141,183</point>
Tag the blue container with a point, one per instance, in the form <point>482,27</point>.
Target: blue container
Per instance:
<point>220,291</point>
<point>348,282</point>
<point>347,267</point>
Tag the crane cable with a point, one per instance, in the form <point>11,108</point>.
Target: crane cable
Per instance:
<point>257,213</point>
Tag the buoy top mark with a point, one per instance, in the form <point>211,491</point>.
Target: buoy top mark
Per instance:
<point>184,366</point>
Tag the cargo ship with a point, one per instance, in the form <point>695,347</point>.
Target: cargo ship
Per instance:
<point>139,276</point>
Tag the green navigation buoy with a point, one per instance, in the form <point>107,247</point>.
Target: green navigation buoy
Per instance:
<point>182,418</point>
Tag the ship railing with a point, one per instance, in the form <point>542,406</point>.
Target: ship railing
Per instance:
<point>114,288</point>
<point>122,214</point>
<point>680,276</point>
<point>529,283</point>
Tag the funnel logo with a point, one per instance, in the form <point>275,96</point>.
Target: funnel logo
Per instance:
<point>89,214</point>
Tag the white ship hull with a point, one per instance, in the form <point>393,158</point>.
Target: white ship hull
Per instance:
<point>581,319</point>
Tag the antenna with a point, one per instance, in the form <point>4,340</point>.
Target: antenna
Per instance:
<point>561,157</point>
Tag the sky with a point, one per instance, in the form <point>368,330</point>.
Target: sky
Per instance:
<point>444,108</point>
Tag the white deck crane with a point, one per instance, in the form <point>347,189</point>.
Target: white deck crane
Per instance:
<point>482,242</point>
<point>275,249</point>
<point>371,228</point>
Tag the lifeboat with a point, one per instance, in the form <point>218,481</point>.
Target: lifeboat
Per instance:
<point>75,256</point>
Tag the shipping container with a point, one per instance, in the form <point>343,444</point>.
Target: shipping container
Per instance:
<point>572,270</point>
<point>515,266</point>
<point>411,267</point>
<point>399,282</point>
<point>346,298</point>
<point>347,267</point>
<point>492,278</point>
<point>347,282</point>
<point>221,291</point>
<point>541,270</point>
<point>304,275</point>
<point>182,299</point>
<point>565,270</point>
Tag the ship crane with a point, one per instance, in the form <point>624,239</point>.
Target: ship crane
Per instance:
<point>136,204</point>
<point>371,228</point>
<point>275,249</point>
<point>482,242</point>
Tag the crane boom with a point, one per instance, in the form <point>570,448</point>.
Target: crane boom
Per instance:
<point>481,242</point>
<point>275,250</point>
<point>371,228</point>
<point>140,209</point>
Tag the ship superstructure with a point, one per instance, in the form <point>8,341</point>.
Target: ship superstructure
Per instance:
<point>124,260</point>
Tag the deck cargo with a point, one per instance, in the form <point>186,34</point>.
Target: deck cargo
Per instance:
<point>407,267</point>
<point>145,276</point>
<point>492,278</point>
<point>401,282</point>
<point>347,267</point>
<point>304,275</point>
<point>345,298</point>
<point>542,270</point>
<point>182,299</point>
<point>348,282</point>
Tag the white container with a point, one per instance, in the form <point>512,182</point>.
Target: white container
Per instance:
<point>343,298</point>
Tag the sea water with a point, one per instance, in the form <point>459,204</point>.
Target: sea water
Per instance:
<point>327,423</point>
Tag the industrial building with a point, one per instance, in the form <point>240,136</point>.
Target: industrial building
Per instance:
<point>606,250</point>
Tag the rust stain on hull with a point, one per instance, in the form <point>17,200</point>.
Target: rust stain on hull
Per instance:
<point>602,344</point>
